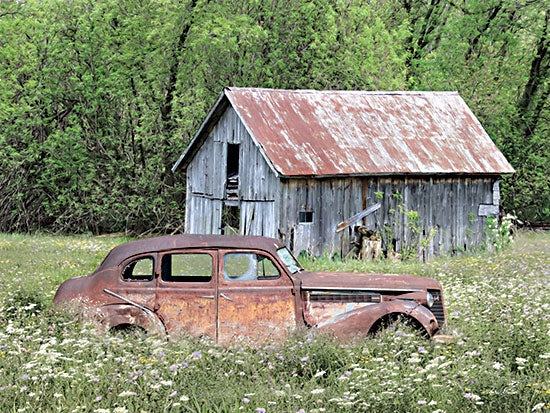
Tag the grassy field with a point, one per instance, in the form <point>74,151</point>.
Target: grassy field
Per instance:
<point>498,306</point>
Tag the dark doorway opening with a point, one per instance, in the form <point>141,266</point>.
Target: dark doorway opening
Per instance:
<point>232,183</point>
<point>231,220</point>
<point>232,159</point>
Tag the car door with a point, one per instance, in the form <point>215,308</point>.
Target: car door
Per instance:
<point>255,298</point>
<point>186,292</point>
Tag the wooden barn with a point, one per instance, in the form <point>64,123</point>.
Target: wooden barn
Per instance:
<point>308,166</point>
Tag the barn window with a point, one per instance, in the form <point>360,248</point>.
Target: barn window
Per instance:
<point>305,216</point>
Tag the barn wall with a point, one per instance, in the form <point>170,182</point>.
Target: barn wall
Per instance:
<point>258,194</point>
<point>449,204</point>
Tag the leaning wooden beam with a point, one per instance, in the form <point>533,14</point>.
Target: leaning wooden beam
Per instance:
<point>357,217</point>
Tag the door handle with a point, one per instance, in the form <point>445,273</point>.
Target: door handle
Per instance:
<point>225,296</point>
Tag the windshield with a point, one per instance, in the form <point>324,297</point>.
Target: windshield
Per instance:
<point>291,264</point>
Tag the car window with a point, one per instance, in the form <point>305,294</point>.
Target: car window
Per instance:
<point>139,270</point>
<point>248,266</point>
<point>288,259</point>
<point>191,267</point>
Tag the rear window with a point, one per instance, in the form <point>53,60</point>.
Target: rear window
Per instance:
<point>141,269</point>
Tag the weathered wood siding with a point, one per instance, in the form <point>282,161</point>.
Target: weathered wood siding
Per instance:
<point>449,204</point>
<point>206,176</point>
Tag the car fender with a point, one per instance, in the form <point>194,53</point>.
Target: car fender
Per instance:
<point>361,321</point>
<point>113,315</point>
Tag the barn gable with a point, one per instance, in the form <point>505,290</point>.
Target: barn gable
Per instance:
<point>228,174</point>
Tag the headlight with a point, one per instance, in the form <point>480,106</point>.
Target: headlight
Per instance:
<point>429,300</point>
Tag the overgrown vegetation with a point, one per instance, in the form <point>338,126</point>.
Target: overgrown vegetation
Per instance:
<point>420,237</point>
<point>497,306</point>
<point>98,99</point>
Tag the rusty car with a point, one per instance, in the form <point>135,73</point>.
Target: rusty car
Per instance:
<point>226,287</point>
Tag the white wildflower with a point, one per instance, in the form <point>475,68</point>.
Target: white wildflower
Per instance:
<point>472,396</point>
<point>446,364</point>
<point>498,366</point>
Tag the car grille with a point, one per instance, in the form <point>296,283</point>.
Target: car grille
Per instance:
<point>437,308</point>
<point>346,297</point>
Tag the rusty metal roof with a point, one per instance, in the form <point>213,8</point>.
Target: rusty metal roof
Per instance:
<point>331,133</point>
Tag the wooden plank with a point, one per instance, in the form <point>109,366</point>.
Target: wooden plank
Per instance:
<point>465,209</point>
<point>496,192</point>
<point>360,215</point>
<point>220,172</point>
<point>459,244</point>
<point>405,191</point>
<point>441,214</point>
<point>475,202</point>
<point>373,221</point>
<point>487,209</point>
<point>428,196</point>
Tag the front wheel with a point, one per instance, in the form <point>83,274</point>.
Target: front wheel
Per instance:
<point>398,323</point>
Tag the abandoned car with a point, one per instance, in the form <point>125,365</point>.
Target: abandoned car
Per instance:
<point>226,287</point>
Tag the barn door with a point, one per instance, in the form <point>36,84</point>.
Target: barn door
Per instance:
<point>231,219</point>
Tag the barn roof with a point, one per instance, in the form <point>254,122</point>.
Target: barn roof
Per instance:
<point>330,133</point>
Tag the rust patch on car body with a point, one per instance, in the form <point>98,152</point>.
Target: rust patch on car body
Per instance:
<point>228,288</point>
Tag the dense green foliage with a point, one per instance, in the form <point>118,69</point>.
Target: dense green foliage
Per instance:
<point>98,98</point>
<point>499,360</point>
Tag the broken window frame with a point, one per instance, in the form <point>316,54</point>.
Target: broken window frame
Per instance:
<point>252,273</point>
<point>127,272</point>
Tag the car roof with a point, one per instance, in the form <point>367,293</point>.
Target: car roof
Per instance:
<point>158,244</point>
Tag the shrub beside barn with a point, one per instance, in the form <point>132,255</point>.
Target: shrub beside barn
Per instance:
<point>313,167</point>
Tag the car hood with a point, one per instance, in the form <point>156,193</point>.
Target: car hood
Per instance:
<point>355,281</point>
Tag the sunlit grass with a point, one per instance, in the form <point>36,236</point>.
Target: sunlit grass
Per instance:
<point>498,307</point>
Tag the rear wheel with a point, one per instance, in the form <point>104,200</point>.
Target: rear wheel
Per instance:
<point>128,330</point>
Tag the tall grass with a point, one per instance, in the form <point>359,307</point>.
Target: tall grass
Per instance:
<point>498,307</point>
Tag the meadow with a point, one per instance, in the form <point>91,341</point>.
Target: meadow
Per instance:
<point>498,308</point>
